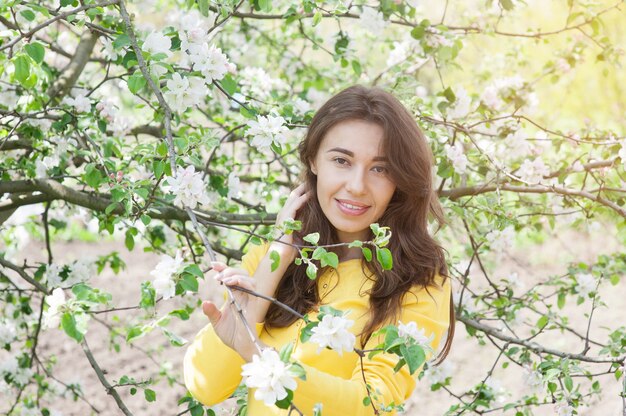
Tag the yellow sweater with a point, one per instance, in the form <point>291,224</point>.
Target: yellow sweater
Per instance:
<point>213,370</point>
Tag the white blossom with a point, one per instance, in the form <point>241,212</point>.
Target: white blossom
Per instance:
<point>533,171</point>
<point>462,105</point>
<point>80,271</point>
<point>164,273</point>
<point>563,409</point>
<point>156,42</point>
<point>372,20</point>
<point>234,185</point>
<point>411,330</point>
<point>177,88</point>
<point>266,130</point>
<point>499,240</point>
<point>533,379</point>
<point>7,332</point>
<point>9,366</point>
<point>332,331</point>
<point>435,39</point>
<point>55,301</point>
<point>490,97</point>
<point>456,154</point>
<point>80,102</point>
<point>585,284</point>
<point>108,50</point>
<point>269,376</point>
<point>562,65</point>
<point>498,391</point>
<point>107,109</point>
<point>29,411</point>
<point>210,61</point>
<point>513,282</point>
<point>438,373</point>
<point>301,106</point>
<point>9,98</point>
<point>258,83</point>
<point>188,187</point>
<point>516,144</point>
<point>466,302</point>
<point>52,275</point>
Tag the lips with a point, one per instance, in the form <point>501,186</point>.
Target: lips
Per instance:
<point>351,207</point>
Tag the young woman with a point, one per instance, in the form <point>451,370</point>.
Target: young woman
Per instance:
<point>365,161</point>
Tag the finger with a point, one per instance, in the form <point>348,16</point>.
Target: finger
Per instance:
<point>231,271</point>
<point>218,266</point>
<point>240,281</point>
<point>211,312</point>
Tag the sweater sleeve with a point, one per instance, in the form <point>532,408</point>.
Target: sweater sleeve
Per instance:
<point>340,396</point>
<point>212,370</point>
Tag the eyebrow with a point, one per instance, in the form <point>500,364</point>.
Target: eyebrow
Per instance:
<point>351,154</point>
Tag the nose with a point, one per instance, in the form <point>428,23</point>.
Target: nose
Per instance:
<point>355,182</point>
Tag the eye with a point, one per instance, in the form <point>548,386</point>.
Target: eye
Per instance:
<point>380,169</point>
<point>340,161</point>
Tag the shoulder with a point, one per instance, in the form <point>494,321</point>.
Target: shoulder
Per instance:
<point>250,261</point>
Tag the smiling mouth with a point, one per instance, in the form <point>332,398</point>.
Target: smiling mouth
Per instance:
<point>351,209</point>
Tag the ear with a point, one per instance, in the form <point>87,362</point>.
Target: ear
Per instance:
<point>313,168</point>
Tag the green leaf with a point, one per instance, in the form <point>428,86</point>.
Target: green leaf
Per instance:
<point>298,371</point>
<point>189,282</point>
<point>148,296</point>
<point>265,5</point>
<point>229,84</point>
<point>507,4</point>
<point>330,259</point>
<point>356,67</point>
<point>121,41</point>
<point>318,253</point>
<point>542,322</point>
<point>129,241</point>
<point>68,323</point>
<point>22,68</point>
<point>569,384</point>
<point>312,238</point>
<point>561,300</point>
<point>93,177</point>
<point>28,15</point>
<point>285,352</point>
<point>311,271</point>
<point>383,255</point>
<point>145,219</point>
<point>195,270</point>
<point>136,82</point>
<point>203,6</point>
<point>150,395</point>
<point>275,257</point>
<point>284,403</point>
<point>413,355</point>
<point>418,32</point>
<point>36,51</point>
<point>317,18</point>
<point>174,339</point>
<point>367,253</point>
<point>367,401</point>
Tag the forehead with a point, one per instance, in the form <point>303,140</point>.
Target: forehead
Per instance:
<point>363,138</point>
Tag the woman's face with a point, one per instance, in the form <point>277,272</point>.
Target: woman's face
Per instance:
<point>353,185</point>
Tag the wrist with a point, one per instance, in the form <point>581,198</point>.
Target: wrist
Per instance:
<point>286,251</point>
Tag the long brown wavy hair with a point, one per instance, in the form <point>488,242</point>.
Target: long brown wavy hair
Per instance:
<point>417,257</point>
